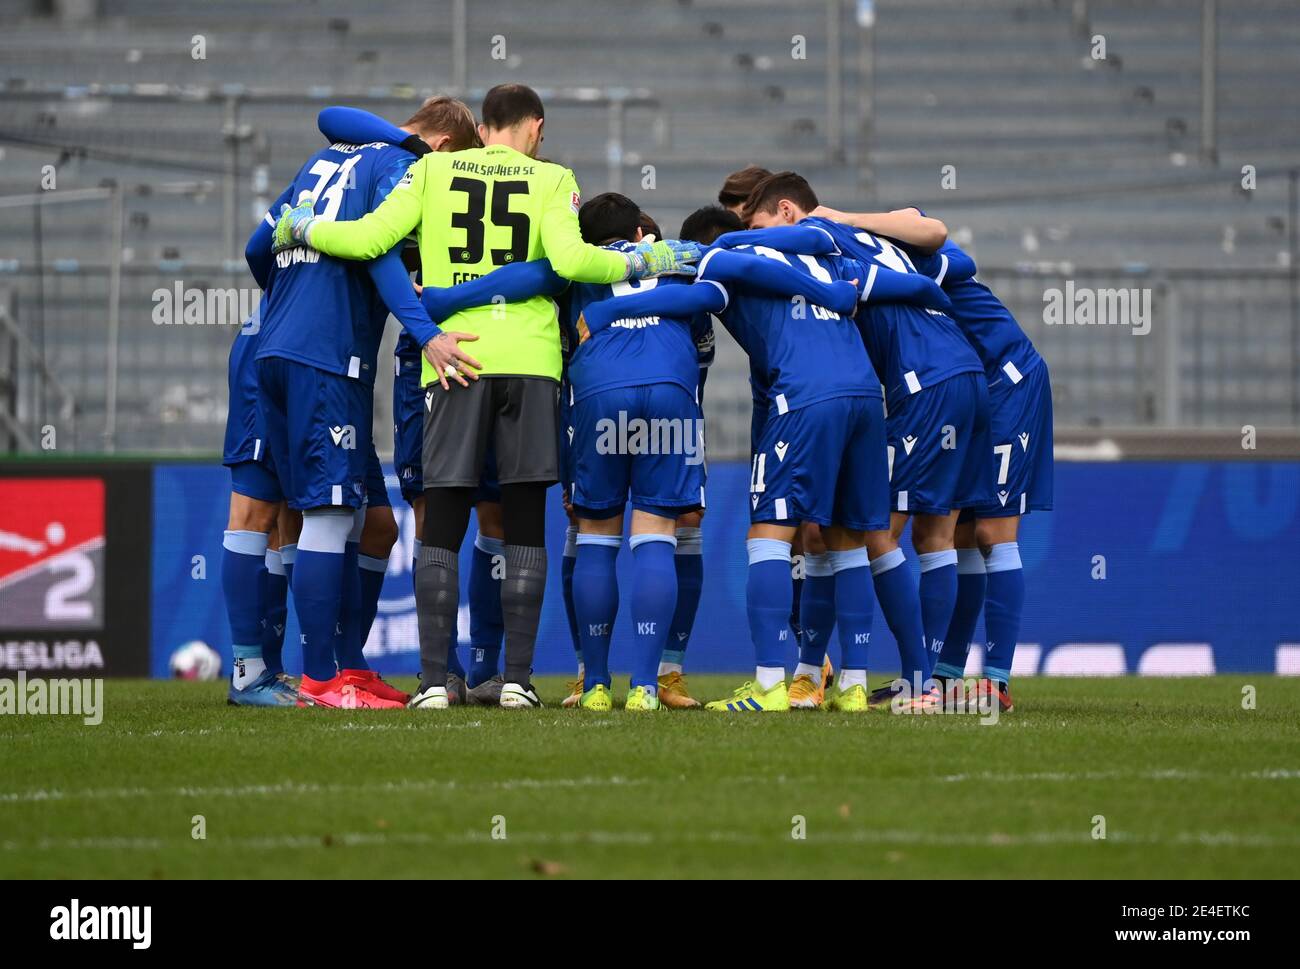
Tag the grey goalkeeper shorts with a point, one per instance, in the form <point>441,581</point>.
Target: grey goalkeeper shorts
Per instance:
<point>515,418</point>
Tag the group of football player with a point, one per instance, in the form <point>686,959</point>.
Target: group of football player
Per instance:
<point>889,385</point>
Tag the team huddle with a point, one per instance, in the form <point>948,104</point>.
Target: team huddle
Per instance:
<point>548,340</point>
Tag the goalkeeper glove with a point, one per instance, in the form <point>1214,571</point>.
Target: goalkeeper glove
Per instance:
<point>661,258</point>
<point>293,225</point>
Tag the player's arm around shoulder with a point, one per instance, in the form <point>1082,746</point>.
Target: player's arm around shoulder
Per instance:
<point>572,258</point>
<point>374,233</point>
<point>561,237</point>
<point>910,225</point>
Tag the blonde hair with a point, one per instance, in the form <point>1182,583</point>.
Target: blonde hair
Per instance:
<point>446,116</point>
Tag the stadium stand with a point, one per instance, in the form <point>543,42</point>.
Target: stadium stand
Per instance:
<point>1067,167</point>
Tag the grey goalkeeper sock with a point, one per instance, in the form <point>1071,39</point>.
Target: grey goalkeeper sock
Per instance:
<point>521,607</point>
<point>437,601</point>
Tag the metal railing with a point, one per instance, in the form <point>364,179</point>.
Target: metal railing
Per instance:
<point>1220,352</point>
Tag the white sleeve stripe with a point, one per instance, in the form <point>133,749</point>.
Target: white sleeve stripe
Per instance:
<point>704,262</point>
<point>726,298</point>
<point>831,237</point>
<point>268,219</point>
<point>943,269</point>
<point>871,281</point>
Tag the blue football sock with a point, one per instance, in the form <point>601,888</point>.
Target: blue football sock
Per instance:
<point>486,627</point>
<point>689,562</point>
<point>567,563</point>
<point>595,602</point>
<point>938,592</point>
<point>796,609</point>
<point>275,610</point>
<point>318,588</point>
<point>348,644</point>
<point>372,584</point>
<point>654,599</point>
<point>243,560</point>
<point>288,556</point>
<point>965,614</point>
<point>896,592</point>
<point>854,605</point>
<point>816,609</point>
<point>454,666</point>
<point>1003,604</point>
<point>769,589</point>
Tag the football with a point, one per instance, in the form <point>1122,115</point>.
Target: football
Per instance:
<point>195,660</point>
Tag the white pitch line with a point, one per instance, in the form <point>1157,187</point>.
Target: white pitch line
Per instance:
<point>1279,774</point>
<point>895,837</point>
<point>294,789</point>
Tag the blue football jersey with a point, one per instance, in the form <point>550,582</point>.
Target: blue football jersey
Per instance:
<point>630,352</point>
<point>323,311</point>
<point>241,418</point>
<point>1003,347</point>
<point>910,347</point>
<point>798,353</point>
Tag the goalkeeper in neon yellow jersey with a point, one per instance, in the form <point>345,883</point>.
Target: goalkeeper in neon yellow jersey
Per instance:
<point>474,211</point>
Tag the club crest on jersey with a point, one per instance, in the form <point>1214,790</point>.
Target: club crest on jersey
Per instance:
<point>1024,442</point>
<point>344,437</point>
<point>780,448</point>
<point>909,442</point>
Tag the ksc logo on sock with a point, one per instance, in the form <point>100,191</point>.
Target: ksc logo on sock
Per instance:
<point>98,923</point>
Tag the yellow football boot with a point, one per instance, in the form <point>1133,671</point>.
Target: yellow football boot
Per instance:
<point>575,693</point>
<point>852,700</point>
<point>807,693</point>
<point>597,699</point>
<point>752,698</point>
<point>641,699</point>
<point>673,692</point>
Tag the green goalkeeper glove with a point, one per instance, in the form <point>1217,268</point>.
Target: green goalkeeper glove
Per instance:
<point>662,258</point>
<point>293,225</point>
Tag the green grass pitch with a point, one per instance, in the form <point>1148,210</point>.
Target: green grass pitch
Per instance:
<point>1189,783</point>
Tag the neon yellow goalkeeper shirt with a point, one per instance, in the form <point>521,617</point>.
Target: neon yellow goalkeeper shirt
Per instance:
<point>476,210</point>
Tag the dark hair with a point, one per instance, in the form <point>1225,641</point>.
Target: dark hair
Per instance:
<point>707,223</point>
<point>609,216</point>
<point>739,184</point>
<point>446,116</point>
<point>649,227</point>
<point>505,105</point>
<point>771,190</point>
